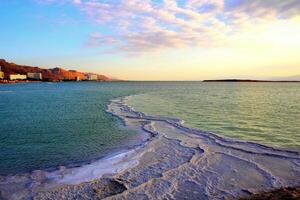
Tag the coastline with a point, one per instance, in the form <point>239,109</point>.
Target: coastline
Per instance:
<point>15,82</point>
<point>27,185</point>
<point>4,82</point>
<point>175,160</point>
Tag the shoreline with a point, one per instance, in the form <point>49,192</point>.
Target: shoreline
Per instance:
<point>173,150</point>
<point>7,82</point>
<point>27,185</point>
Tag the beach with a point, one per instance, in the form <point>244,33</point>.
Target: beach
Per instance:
<point>178,162</point>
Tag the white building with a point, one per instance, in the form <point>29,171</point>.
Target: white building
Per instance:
<point>1,74</point>
<point>92,77</point>
<point>35,76</point>
<point>17,77</point>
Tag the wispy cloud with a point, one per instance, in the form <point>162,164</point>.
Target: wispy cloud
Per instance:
<point>148,25</point>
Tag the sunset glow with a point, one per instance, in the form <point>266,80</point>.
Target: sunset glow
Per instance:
<point>156,39</point>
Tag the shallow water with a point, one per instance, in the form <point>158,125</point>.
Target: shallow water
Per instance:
<point>46,125</point>
<point>268,113</point>
<point>185,163</point>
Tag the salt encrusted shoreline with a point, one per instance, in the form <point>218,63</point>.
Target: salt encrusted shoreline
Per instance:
<point>183,163</point>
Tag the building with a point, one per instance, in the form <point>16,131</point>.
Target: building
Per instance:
<point>17,77</point>
<point>92,77</point>
<point>1,74</point>
<point>34,76</point>
<point>78,78</point>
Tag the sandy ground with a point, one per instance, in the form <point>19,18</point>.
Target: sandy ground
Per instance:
<point>178,162</point>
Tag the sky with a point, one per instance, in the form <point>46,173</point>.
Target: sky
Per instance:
<point>155,39</point>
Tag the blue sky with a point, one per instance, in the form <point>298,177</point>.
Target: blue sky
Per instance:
<point>155,39</point>
<point>40,29</point>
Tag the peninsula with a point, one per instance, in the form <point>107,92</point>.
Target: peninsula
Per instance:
<point>250,80</point>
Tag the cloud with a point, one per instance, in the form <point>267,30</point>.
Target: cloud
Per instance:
<point>148,25</point>
<point>261,8</point>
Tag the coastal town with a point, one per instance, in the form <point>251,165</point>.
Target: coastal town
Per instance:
<point>22,77</point>
<point>36,76</point>
<point>14,73</point>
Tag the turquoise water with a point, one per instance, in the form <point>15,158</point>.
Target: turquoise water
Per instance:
<point>46,125</point>
<point>267,113</point>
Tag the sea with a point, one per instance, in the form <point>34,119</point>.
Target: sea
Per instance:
<point>47,125</point>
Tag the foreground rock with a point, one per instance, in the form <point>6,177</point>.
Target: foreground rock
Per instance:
<point>280,194</point>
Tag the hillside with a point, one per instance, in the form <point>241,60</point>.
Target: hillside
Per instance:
<point>54,74</point>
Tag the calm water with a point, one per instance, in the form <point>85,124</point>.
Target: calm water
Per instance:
<point>267,113</point>
<point>47,125</point>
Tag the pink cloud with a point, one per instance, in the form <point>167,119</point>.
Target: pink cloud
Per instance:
<point>141,26</point>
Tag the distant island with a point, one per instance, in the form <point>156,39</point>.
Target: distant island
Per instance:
<point>247,80</point>
<point>11,73</point>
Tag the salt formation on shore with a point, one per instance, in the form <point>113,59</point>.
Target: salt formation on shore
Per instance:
<point>178,162</point>
<point>184,163</point>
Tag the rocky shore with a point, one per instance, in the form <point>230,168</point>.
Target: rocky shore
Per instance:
<point>279,194</point>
